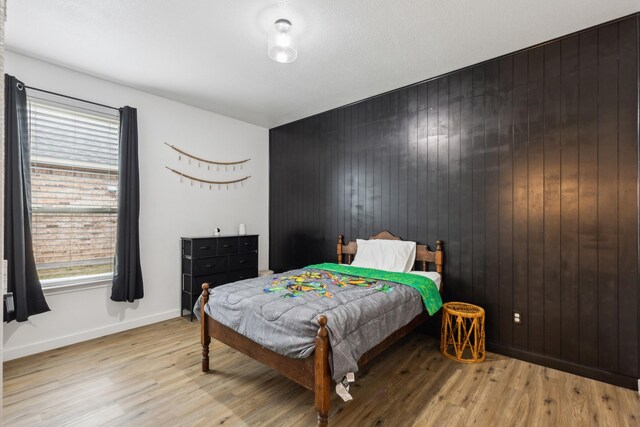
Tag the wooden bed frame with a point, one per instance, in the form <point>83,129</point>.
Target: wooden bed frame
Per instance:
<point>313,372</point>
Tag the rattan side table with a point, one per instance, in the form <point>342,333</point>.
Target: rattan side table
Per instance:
<point>462,337</point>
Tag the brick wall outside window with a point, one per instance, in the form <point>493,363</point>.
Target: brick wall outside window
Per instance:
<point>68,244</point>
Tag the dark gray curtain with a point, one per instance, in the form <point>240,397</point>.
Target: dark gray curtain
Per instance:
<point>22,276</point>
<point>127,275</point>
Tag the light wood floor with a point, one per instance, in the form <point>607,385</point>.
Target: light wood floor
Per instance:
<point>151,376</point>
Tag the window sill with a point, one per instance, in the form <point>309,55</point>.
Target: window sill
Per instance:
<point>63,286</point>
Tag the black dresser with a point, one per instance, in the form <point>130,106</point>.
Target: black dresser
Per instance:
<point>215,260</point>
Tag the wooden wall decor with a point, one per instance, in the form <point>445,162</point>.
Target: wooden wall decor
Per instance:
<point>218,165</point>
<point>525,166</point>
<point>199,160</point>
<point>206,182</point>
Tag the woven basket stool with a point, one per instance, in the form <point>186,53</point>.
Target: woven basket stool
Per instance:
<point>462,336</point>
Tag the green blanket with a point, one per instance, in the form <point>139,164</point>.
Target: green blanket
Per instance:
<point>427,288</point>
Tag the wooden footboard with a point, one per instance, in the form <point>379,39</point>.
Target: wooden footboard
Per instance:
<point>312,373</point>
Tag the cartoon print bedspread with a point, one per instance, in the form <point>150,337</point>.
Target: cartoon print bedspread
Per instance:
<point>280,312</point>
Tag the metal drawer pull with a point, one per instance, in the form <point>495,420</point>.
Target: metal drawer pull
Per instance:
<point>209,265</point>
<point>226,246</point>
<point>204,248</point>
<point>247,243</point>
<point>241,261</point>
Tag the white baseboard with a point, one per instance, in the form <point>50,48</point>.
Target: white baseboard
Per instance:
<point>38,347</point>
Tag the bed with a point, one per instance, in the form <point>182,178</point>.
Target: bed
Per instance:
<point>314,355</point>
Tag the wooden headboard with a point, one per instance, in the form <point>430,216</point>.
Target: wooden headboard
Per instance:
<point>423,254</point>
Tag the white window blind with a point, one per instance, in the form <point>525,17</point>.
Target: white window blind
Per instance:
<point>74,182</point>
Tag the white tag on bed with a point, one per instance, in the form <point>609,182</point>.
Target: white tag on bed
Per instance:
<point>343,392</point>
<point>351,377</point>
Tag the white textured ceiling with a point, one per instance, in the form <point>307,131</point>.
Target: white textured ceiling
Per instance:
<point>212,54</point>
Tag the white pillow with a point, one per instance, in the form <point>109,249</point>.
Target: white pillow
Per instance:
<point>367,255</point>
<point>390,255</point>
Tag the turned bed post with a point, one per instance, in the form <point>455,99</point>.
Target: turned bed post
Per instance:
<point>322,376</point>
<point>439,260</point>
<point>205,339</point>
<point>340,243</point>
<point>440,263</point>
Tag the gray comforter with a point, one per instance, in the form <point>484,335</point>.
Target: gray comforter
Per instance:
<point>357,318</point>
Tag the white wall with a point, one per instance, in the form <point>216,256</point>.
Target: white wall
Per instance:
<point>169,209</point>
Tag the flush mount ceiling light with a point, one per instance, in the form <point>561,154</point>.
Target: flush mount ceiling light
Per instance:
<point>282,47</point>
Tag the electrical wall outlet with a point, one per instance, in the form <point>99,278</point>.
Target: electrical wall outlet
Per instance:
<point>517,318</point>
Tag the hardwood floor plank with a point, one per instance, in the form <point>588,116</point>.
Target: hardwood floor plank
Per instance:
<point>151,376</point>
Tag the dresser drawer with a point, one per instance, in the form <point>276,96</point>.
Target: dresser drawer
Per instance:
<point>227,245</point>
<point>237,275</point>
<point>206,266</point>
<point>243,262</point>
<point>247,244</point>
<point>194,284</point>
<point>204,247</point>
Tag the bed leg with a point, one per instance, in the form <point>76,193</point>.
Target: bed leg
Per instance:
<point>322,375</point>
<point>205,339</point>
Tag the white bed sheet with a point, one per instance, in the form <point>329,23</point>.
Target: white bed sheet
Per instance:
<point>431,275</point>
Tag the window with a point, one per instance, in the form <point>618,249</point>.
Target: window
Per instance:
<point>74,185</point>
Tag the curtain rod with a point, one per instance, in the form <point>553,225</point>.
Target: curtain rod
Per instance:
<point>69,97</point>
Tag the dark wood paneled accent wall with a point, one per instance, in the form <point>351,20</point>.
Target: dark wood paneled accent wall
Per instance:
<point>526,166</point>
